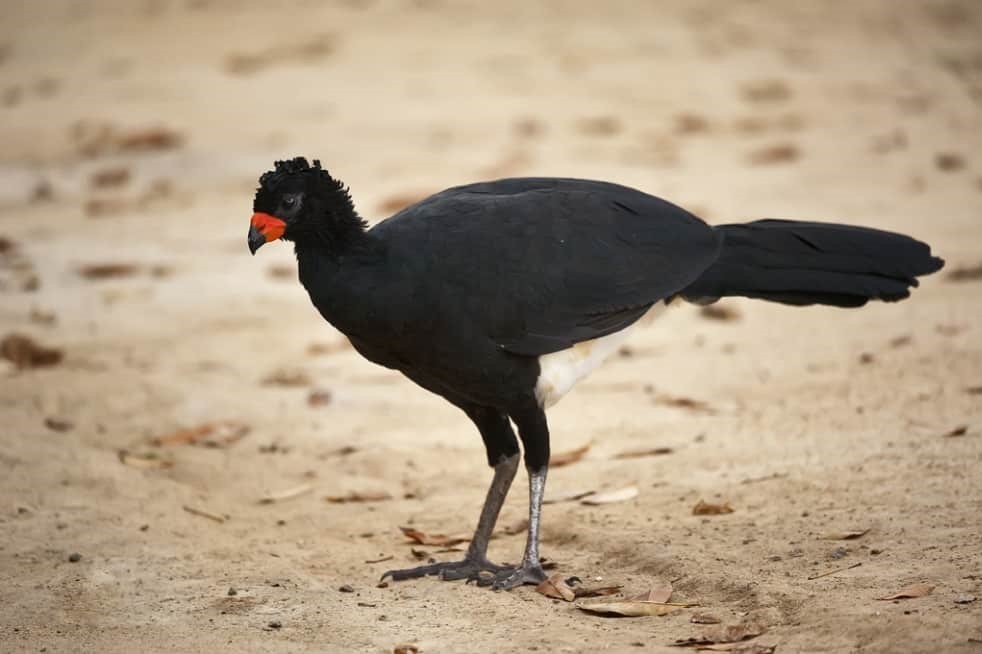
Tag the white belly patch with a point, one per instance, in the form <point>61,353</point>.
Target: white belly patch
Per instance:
<point>560,371</point>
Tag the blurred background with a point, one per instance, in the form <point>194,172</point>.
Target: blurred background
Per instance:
<point>150,365</point>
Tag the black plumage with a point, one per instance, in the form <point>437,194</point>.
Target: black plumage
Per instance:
<point>470,291</point>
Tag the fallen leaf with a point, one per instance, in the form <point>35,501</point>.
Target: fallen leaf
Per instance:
<point>58,424</point>
<point>949,161</point>
<point>705,508</point>
<point>101,271</point>
<point>772,154</point>
<point>320,349</point>
<point>726,634</point>
<point>637,454</point>
<point>965,273</point>
<point>684,403</point>
<point>687,123</point>
<point>406,649</point>
<point>719,312</point>
<point>211,434</point>
<point>845,535</point>
<point>439,540</point>
<point>288,494</point>
<point>660,594</point>
<point>281,271</point>
<point>960,430</point>
<point>568,457</point>
<point>106,177</point>
<point>595,591</point>
<point>310,50</point>
<point>147,139</point>
<point>704,618</point>
<point>319,397</point>
<point>738,648</point>
<point>910,592</point>
<point>287,378</point>
<point>630,608</point>
<point>25,353</point>
<point>214,517</point>
<point>148,460</point>
<point>556,588</point>
<point>609,497</point>
<point>355,496</point>
<point>566,496</point>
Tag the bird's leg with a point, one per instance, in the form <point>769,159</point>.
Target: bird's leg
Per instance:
<point>476,560</point>
<point>502,450</point>
<point>534,432</point>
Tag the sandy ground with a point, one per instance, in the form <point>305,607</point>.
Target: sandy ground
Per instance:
<point>132,135</point>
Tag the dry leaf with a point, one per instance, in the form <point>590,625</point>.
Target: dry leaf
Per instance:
<point>439,540</point>
<point>705,508</point>
<point>287,494</point>
<point>287,378</point>
<point>149,460</point>
<point>966,273</point>
<point>909,592</point>
<point>728,634</point>
<point>738,648</point>
<point>609,497</point>
<point>214,517</point>
<point>355,496</point>
<point>100,271</point>
<point>556,588</point>
<point>772,154</point>
<point>845,535</point>
<point>406,649</point>
<point>24,353</point>
<point>319,397</point>
<point>595,591</point>
<point>567,496</point>
<point>571,456</point>
<point>630,608</point>
<point>660,594</point>
<point>719,312</point>
<point>637,454</point>
<point>211,434</point>
<point>684,403</point>
<point>961,430</point>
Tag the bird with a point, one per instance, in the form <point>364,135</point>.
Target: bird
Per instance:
<point>499,296</point>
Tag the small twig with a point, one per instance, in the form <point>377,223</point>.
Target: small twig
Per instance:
<point>832,572</point>
<point>384,558</point>
<point>204,514</point>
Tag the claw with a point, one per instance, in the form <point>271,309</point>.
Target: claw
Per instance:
<point>450,571</point>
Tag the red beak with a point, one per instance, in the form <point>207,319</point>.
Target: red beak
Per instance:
<point>264,228</point>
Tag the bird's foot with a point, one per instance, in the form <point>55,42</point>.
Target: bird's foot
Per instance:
<point>514,576</point>
<point>470,569</point>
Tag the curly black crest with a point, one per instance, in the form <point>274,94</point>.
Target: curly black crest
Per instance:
<point>289,167</point>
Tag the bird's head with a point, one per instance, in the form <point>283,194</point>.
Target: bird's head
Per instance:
<point>300,202</point>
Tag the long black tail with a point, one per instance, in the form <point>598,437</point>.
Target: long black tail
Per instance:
<point>813,263</point>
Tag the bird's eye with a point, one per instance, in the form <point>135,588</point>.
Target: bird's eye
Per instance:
<point>289,202</point>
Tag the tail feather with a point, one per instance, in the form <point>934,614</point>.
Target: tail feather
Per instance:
<point>805,263</point>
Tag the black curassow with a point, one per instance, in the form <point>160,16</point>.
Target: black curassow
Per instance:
<point>499,296</point>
